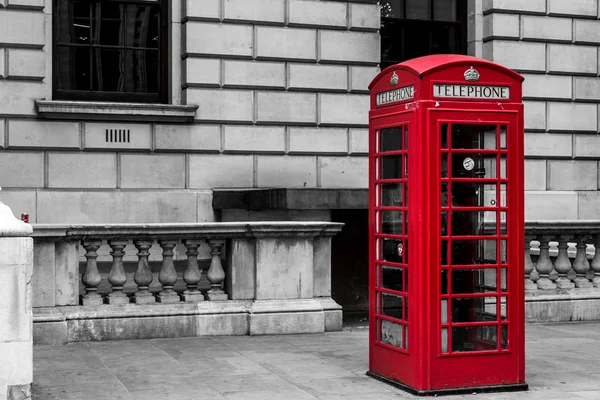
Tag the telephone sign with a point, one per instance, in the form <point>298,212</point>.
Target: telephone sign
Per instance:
<point>446,241</point>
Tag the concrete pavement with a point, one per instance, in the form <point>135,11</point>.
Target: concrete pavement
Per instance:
<point>563,362</point>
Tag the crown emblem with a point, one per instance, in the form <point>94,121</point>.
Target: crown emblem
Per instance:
<point>394,79</point>
<point>472,75</point>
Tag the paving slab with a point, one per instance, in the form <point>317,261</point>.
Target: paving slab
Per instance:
<point>562,363</point>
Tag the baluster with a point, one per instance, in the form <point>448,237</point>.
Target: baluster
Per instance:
<point>215,274</point>
<point>595,264</point>
<point>562,265</point>
<point>91,276</point>
<point>192,273</point>
<point>529,285</point>
<point>544,265</point>
<point>167,276</point>
<point>143,275</point>
<point>117,277</point>
<point>581,264</point>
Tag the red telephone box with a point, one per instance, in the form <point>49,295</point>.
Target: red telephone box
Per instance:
<point>446,226</point>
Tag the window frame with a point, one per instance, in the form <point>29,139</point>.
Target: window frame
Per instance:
<point>461,22</point>
<point>104,96</point>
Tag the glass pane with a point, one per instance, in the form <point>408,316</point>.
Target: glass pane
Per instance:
<point>391,167</point>
<point>444,340</point>
<point>474,309</point>
<point>107,70</point>
<point>142,71</point>
<point>142,24</point>
<point>444,195</point>
<point>406,222</point>
<point>73,66</point>
<point>444,223</point>
<point>392,278</point>
<point>415,39</point>
<point>418,9</point>
<point>470,136</point>
<point>502,167</point>
<point>405,144</point>
<point>468,252</point>
<point>391,333</point>
<point>474,338</point>
<point>503,137</point>
<point>107,23</point>
<point>444,165</point>
<point>444,136</point>
<point>406,166</point>
<point>391,305</point>
<point>444,10</point>
<point>392,250</point>
<point>391,195</point>
<point>504,337</point>
<point>503,223</point>
<point>503,195</point>
<point>468,281</point>
<point>391,139</point>
<point>503,251</point>
<point>473,223</point>
<point>74,22</point>
<point>474,165</point>
<point>444,311</point>
<point>406,196</point>
<point>391,42</point>
<point>473,194</point>
<point>405,309</point>
<point>443,38</point>
<point>444,252</point>
<point>503,308</point>
<point>503,279</point>
<point>391,222</point>
<point>392,9</point>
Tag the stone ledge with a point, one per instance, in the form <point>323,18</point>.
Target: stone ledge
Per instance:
<point>199,230</point>
<point>107,111</point>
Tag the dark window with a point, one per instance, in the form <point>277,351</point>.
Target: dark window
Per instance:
<point>109,50</point>
<point>415,28</point>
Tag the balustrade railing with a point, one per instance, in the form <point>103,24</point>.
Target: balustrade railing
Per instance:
<point>562,255</point>
<point>189,269</point>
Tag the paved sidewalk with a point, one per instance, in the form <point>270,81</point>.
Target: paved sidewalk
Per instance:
<point>563,362</point>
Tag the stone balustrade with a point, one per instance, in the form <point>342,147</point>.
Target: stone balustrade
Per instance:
<point>562,270</point>
<point>277,273</point>
<point>565,254</point>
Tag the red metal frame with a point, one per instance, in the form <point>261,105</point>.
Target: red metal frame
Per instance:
<point>406,326</point>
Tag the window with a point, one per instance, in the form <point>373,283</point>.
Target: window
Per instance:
<point>415,28</point>
<point>110,50</point>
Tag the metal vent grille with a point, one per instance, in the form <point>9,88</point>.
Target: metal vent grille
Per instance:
<point>118,136</point>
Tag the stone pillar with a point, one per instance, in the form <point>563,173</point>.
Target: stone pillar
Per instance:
<point>16,318</point>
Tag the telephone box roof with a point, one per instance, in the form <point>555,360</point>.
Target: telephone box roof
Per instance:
<point>422,66</point>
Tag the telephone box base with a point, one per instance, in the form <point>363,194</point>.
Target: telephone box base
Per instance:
<point>442,392</point>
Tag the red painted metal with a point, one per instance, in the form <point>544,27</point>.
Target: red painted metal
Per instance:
<point>446,215</point>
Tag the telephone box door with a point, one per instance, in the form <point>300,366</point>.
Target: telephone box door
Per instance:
<point>476,250</point>
<point>390,139</point>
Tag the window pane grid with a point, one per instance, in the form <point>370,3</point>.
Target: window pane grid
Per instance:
<point>391,208</point>
<point>473,292</point>
<point>123,42</point>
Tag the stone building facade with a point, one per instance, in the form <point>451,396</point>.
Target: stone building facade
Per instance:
<point>554,44</point>
<point>261,94</point>
<point>281,90</point>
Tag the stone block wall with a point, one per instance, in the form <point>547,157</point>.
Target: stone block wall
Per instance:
<point>281,87</point>
<point>555,45</point>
